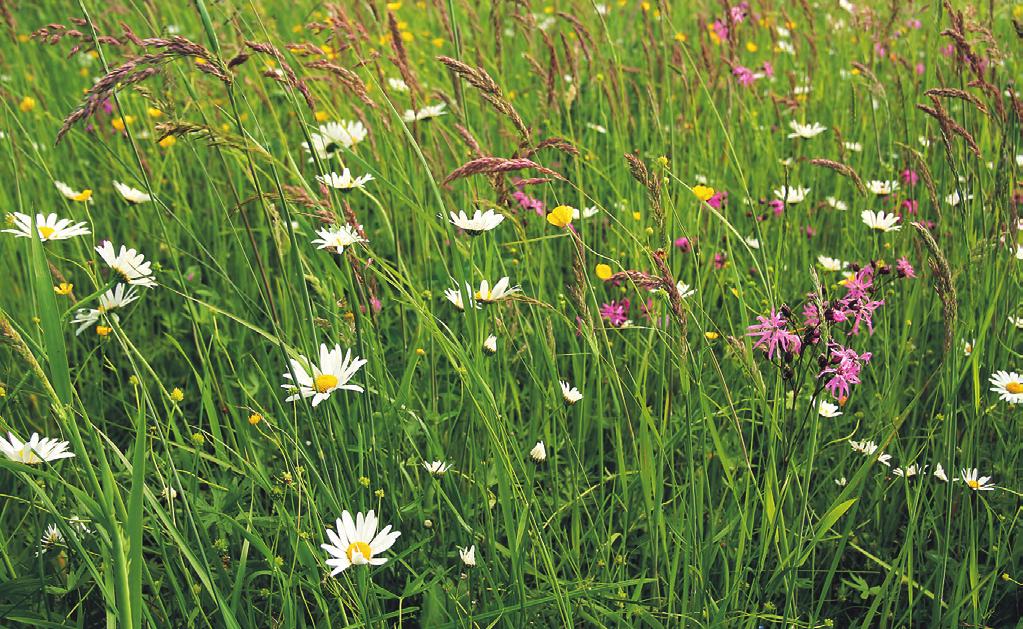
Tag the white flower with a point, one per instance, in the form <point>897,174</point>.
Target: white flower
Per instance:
<point>954,199</point>
<point>337,237</point>
<point>1008,385</point>
<point>344,181</point>
<point>334,136</point>
<point>786,47</point>
<point>168,493</point>
<point>974,481</point>
<point>882,188</point>
<point>841,481</point>
<point>501,290</point>
<point>430,111</point>
<point>51,538</point>
<point>868,448</point>
<point>684,290</point>
<point>117,297</point>
<point>827,409</point>
<point>570,393</point>
<point>479,223</point>
<point>968,346</point>
<point>596,127</point>
<point>855,147</point>
<point>939,473</point>
<point>539,452</point>
<point>907,472</point>
<point>357,543</point>
<point>752,242</point>
<point>837,204</point>
<point>791,196</point>
<point>490,344</point>
<point>131,195</point>
<point>1019,251</point>
<point>831,264</point>
<point>130,264</point>
<point>35,450</point>
<point>436,468</point>
<point>468,556</point>
<point>71,194</point>
<point>847,6</point>
<point>881,221</point>
<point>586,212</point>
<point>398,85</point>
<point>924,141</point>
<point>1016,321</point>
<point>806,131</point>
<point>49,227</point>
<point>455,297</point>
<point>318,382</point>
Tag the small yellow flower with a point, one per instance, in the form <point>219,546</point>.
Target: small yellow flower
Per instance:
<point>663,161</point>
<point>711,335</point>
<point>153,112</point>
<point>420,351</point>
<point>680,37</point>
<point>560,216</point>
<point>645,6</point>
<point>407,36</point>
<point>751,46</point>
<point>603,272</point>
<point>379,493</point>
<point>393,6</point>
<point>703,192</point>
<point>364,481</point>
<point>120,123</point>
<point>177,395</point>
<point>3,392</point>
<point>64,288</point>
<point>103,330</point>
<point>437,42</point>
<point>636,216</point>
<point>167,142</point>
<point>321,116</point>
<point>27,104</point>
<point>255,418</point>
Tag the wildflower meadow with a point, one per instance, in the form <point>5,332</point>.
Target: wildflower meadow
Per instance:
<point>511,313</point>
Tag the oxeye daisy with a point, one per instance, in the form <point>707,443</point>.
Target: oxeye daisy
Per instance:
<point>480,222</point>
<point>334,371</point>
<point>49,227</point>
<point>333,136</point>
<point>585,212</point>
<point>790,195</point>
<point>975,481</point>
<point>881,221</point>
<point>1008,385</point>
<point>837,204</point>
<point>684,290</point>
<point>51,538</point>
<point>356,542</point>
<point>436,468</point>
<point>71,194</point>
<point>130,264</point>
<point>538,452</point>
<point>426,113</point>
<point>501,290</point>
<point>968,346</point>
<point>882,188</point>
<point>344,182</point>
<point>939,473</point>
<point>131,195</point>
<point>337,237</point>
<point>468,556</point>
<point>34,451</point>
<point>868,448</point>
<point>398,85</point>
<point>806,131</point>
<point>490,344</point>
<point>907,472</point>
<point>570,393</point>
<point>954,199</point>
<point>827,409</point>
<point>831,264</point>
<point>117,297</point>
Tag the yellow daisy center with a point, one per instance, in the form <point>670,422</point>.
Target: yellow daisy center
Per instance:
<point>362,548</point>
<point>1014,387</point>
<point>46,231</point>
<point>323,383</point>
<point>973,484</point>
<point>27,455</point>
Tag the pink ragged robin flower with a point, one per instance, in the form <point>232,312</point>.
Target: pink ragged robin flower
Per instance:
<point>616,312</point>
<point>772,332</point>
<point>909,177</point>
<point>842,370</point>
<point>904,269</point>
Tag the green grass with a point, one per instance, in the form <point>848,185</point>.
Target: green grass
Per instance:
<point>684,489</point>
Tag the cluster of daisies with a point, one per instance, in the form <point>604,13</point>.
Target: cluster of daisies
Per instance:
<point>970,477</point>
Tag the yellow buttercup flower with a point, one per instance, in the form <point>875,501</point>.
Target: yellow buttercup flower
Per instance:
<point>560,216</point>
<point>119,124</point>
<point>603,272</point>
<point>703,192</point>
<point>153,112</point>
<point>64,288</point>
<point>710,335</point>
<point>103,330</point>
<point>255,418</point>
<point>167,142</point>
<point>750,46</point>
<point>27,104</point>
<point>176,395</point>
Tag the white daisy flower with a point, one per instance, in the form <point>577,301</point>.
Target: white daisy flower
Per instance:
<point>337,237</point>
<point>333,136</point>
<point>131,195</point>
<point>684,290</point>
<point>490,345</point>
<point>501,290</point>
<point>939,473</point>
<point>1008,385</point>
<point>585,212</point>
<point>71,194</point>
<point>791,196</point>
<point>806,131</point>
<point>344,181</point>
<point>855,147</point>
<point>907,472</point>
<point>954,199</point>
<point>49,227</point>
<point>398,85</point>
<point>752,242</point>
<point>968,346</point>
<point>596,127</point>
<point>1016,321</point>
<point>436,468</point>
<point>881,221</point>
<point>924,141</point>
<point>128,263</point>
<point>51,538</point>
<point>837,204</point>
<point>35,450</point>
<point>831,264</point>
<point>1019,251</point>
<point>319,381</point>
<point>455,297</point>
<point>570,393</point>
<point>827,409</point>
<point>882,188</point>
<point>357,542</point>
<point>538,453</point>
<point>479,223</point>
<point>975,481</point>
<point>117,297</point>
<point>868,448</point>
<point>426,113</point>
<point>841,481</point>
<point>468,556</point>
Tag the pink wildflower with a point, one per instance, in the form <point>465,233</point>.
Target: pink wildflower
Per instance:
<point>773,334</point>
